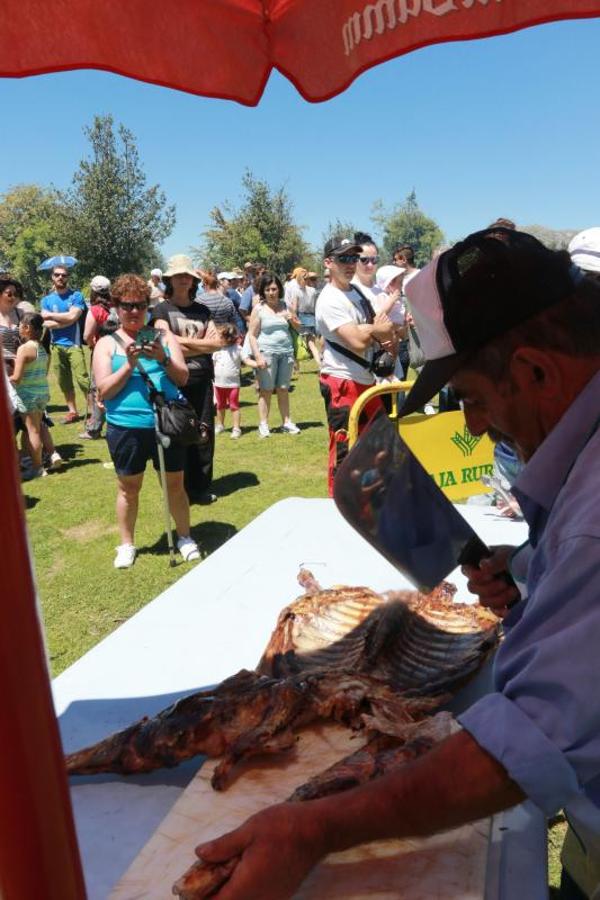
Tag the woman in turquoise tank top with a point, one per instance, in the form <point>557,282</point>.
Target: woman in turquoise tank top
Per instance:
<point>271,341</point>
<point>130,418</point>
<point>30,380</point>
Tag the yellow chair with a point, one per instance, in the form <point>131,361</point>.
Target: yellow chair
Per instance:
<point>442,443</point>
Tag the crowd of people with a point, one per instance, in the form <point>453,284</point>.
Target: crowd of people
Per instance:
<point>200,329</point>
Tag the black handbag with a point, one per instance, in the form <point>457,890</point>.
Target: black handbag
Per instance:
<point>176,419</point>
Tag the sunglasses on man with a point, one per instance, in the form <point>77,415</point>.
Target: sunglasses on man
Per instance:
<point>347,258</point>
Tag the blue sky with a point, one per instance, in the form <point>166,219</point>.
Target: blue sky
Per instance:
<point>503,126</point>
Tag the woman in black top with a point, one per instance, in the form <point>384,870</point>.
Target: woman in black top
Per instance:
<point>192,324</point>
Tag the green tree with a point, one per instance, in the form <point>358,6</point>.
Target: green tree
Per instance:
<point>338,227</point>
<point>407,224</point>
<point>261,230</point>
<point>113,221</point>
<point>30,231</point>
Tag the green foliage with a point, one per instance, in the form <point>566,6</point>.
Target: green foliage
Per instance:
<point>338,227</point>
<point>261,230</point>
<point>407,224</point>
<point>30,231</point>
<point>113,221</point>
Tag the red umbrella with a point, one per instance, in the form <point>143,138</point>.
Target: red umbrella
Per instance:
<point>227,48</point>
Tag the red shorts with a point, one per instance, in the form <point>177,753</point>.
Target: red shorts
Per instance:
<point>227,398</point>
<point>339,395</point>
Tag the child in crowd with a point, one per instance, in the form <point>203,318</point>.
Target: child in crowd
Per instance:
<point>228,363</point>
<point>388,282</point>
<point>30,380</point>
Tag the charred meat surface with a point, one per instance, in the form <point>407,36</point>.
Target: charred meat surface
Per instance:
<point>203,879</point>
<point>246,715</point>
<point>413,641</point>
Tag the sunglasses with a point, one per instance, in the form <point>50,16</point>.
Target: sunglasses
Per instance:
<point>369,260</point>
<point>137,305</point>
<point>60,275</point>
<point>347,258</point>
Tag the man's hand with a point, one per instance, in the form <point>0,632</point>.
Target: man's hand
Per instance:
<point>487,581</point>
<point>277,848</point>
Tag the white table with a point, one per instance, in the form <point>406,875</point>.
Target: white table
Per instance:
<point>216,620</point>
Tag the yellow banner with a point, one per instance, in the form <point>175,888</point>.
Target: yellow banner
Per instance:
<point>454,457</point>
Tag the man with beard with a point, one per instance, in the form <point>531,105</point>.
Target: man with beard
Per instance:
<point>515,328</point>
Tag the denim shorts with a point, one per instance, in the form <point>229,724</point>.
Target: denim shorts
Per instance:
<point>278,373</point>
<point>131,448</point>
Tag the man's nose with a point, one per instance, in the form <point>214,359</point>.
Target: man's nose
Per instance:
<point>477,421</point>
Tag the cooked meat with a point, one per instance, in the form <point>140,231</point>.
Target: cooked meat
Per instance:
<point>203,879</point>
<point>413,641</point>
<point>246,715</point>
<point>383,753</point>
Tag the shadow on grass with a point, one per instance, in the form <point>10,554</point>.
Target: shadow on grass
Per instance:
<point>304,426</point>
<point>208,535</point>
<point>235,481</point>
<point>30,502</point>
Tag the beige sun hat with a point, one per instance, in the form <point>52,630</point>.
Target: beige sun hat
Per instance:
<point>180,264</point>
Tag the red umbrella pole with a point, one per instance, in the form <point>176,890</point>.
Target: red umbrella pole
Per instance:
<point>38,848</point>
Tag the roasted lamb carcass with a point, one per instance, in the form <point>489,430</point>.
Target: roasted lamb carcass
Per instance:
<point>246,715</point>
<point>413,641</point>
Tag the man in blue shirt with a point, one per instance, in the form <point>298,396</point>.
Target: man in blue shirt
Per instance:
<point>62,309</point>
<point>515,329</point>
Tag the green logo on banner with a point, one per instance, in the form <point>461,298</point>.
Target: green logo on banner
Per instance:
<point>466,442</point>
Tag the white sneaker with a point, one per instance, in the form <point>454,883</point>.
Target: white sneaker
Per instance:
<point>236,433</point>
<point>263,430</point>
<point>125,556</point>
<point>290,428</point>
<point>188,548</point>
<point>429,410</point>
<point>219,428</point>
<point>56,460</point>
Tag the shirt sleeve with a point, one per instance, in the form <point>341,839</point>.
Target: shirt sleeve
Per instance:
<point>78,301</point>
<point>337,311</point>
<point>543,722</point>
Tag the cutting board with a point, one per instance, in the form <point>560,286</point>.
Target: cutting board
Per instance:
<point>448,866</point>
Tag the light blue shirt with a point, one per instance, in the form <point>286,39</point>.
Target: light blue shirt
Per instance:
<point>543,721</point>
<point>68,335</point>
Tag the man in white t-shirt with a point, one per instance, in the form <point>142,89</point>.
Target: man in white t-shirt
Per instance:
<point>343,319</point>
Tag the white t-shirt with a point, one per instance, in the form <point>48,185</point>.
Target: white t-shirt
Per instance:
<point>228,362</point>
<point>335,308</point>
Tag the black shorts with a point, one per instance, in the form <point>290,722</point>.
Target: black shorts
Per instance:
<point>131,448</point>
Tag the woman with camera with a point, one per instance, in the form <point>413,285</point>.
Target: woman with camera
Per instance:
<point>130,432</point>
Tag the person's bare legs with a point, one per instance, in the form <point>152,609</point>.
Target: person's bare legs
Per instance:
<point>32,421</point>
<point>179,505</point>
<point>264,405</point>
<point>236,418</point>
<point>311,343</point>
<point>128,492</point>
<point>71,402</point>
<point>283,401</point>
<point>221,417</point>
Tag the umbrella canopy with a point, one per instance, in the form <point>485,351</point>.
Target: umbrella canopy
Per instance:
<point>67,261</point>
<point>187,44</point>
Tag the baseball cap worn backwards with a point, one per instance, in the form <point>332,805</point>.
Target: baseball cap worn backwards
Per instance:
<point>585,249</point>
<point>340,246</point>
<point>479,289</point>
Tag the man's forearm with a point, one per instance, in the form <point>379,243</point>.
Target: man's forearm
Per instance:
<point>66,318</point>
<point>455,783</point>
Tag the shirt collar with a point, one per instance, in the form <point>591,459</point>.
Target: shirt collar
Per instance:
<point>539,483</point>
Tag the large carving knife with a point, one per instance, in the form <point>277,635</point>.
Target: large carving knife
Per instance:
<point>384,492</point>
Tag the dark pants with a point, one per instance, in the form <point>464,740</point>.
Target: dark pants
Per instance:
<point>569,890</point>
<point>198,469</point>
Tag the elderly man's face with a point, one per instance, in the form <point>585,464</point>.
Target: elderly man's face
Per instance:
<point>502,409</point>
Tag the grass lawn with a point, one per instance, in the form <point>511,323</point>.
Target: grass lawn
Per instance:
<point>72,530</point>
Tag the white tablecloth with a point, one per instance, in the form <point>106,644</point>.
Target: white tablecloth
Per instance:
<point>214,621</point>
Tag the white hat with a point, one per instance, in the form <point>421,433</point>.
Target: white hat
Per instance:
<point>156,273</point>
<point>585,250</point>
<point>100,283</point>
<point>386,274</point>
<point>228,275</point>
<point>180,264</point>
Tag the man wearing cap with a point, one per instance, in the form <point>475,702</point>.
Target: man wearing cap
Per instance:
<point>515,328</point>
<point>350,333</point>
<point>63,308</point>
<point>585,251</point>
<point>157,287</point>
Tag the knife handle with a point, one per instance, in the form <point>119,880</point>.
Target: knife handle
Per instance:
<point>472,554</point>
